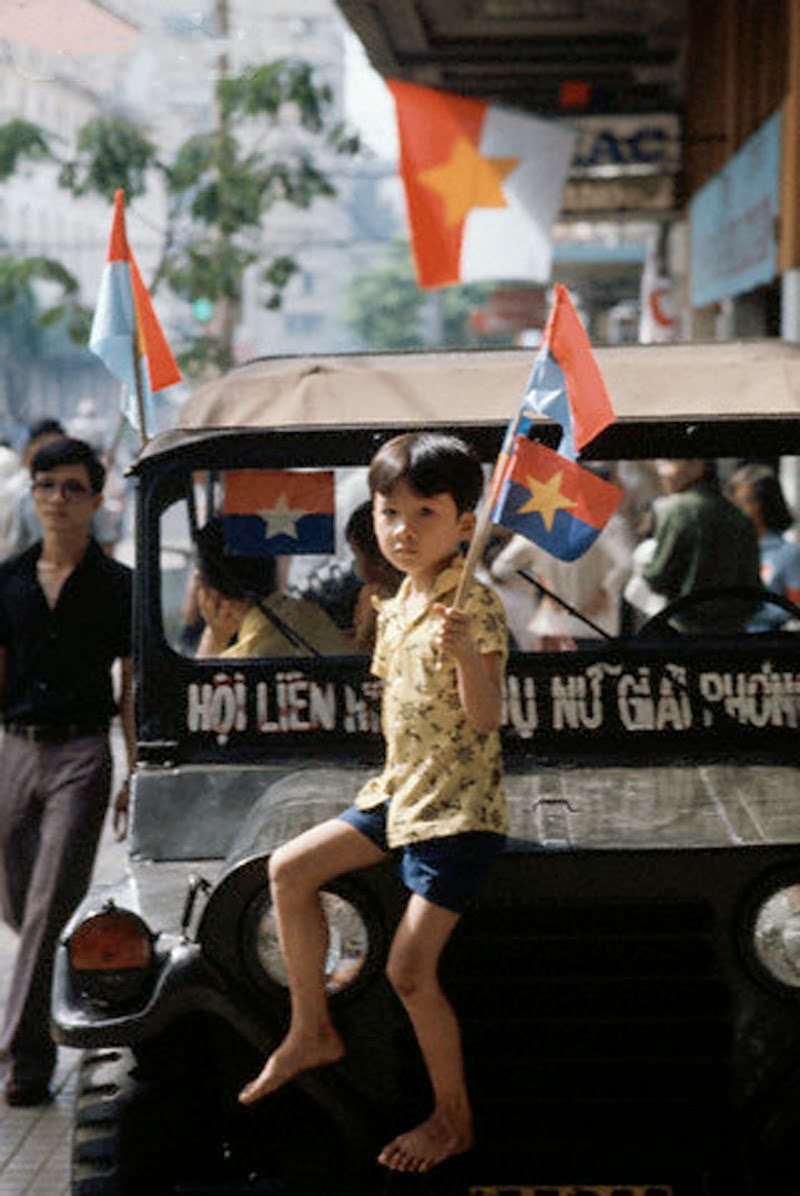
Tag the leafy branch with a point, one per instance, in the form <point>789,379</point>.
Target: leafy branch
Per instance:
<point>219,193</point>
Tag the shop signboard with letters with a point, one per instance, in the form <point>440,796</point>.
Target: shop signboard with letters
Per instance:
<point>624,164</point>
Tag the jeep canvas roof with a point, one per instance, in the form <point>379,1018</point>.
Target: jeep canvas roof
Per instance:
<point>741,378</point>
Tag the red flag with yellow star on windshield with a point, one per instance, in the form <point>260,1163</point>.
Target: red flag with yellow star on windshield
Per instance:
<point>553,502</point>
<point>483,186</point>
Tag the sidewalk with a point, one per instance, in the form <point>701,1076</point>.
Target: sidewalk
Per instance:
<point>35,1143</point>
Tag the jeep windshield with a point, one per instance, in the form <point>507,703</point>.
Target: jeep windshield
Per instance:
<point>683,726</point>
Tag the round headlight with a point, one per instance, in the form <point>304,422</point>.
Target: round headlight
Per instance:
<point>348,942</point>
<point>111,956</point>
<point>776,935</point>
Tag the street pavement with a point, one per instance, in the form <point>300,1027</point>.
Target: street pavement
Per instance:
<point>35,1143</point>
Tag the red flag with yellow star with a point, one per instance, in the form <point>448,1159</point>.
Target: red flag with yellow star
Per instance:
<point>483,186</point>
<point>553,502</point>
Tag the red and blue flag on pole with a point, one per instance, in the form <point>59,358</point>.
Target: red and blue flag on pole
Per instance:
<point>553,502</point>
<point>541,494</point>
<point>126,334</point>
<point>271,512</point>
<point>565,383</point>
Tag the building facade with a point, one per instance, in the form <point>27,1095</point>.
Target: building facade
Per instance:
<point>163,79</point>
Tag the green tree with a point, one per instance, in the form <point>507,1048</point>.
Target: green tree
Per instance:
<point>384,305</point>
<point>387,310</point>
<point>25,336</point>
<point>220,185</point>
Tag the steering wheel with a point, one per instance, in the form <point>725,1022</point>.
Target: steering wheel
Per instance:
<point>660,623</point>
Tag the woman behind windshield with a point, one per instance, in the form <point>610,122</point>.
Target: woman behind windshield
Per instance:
<point>756,490</point>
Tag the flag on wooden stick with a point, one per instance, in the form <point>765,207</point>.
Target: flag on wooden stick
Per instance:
<point>565,385</point>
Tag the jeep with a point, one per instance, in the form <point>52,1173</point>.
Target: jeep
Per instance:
<point>628,981</point>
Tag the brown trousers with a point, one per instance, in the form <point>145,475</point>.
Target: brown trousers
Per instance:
<point>53,799</point>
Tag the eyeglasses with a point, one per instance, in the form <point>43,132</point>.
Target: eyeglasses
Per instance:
<point>70,490</point>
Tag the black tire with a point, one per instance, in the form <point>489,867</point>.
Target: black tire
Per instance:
<point>133,1137</point>
<point>136,1137</point>
<point>105,1087</point>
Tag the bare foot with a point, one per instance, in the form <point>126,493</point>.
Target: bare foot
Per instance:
<point>430,1143</point>
<point>289,1059</point>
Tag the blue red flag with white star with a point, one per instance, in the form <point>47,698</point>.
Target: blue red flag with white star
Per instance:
<point>277,512</point>
<point>565,383</point>
<point>553,502</point>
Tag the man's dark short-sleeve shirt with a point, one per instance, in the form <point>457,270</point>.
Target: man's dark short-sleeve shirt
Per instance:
<point>58,662</point>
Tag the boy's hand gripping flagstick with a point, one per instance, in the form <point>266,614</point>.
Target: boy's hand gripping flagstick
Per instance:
<point>565,385</point>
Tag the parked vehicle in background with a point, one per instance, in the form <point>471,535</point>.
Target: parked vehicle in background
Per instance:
<point>628,982</point>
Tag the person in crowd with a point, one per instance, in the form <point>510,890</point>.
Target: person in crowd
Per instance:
<point>107,525</point>
<point>39,434</point>
<point>329,579</point>
<point>245,615</point>
<point>756,490</point>
<point>14,483</point>
<point>702,542</point>
<point>107,520</point>
<point>333,585</point>
<point>65,619</point>
<point>439,803</point>
<point>87,424</point>
<point>379,578</point>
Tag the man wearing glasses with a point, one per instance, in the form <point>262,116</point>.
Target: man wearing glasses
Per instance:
<point>65,617</point>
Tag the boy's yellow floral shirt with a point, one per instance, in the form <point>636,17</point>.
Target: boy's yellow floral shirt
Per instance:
<point>443,777</point>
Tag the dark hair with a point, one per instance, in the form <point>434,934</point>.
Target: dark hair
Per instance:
<point>432,463</point>
<point>45,427</point>
<point>232,575</point>
<point>710,472</point>
<point>68,451</point>
<point>360,534</point>
<point>767,492</point>
<point>360,530</point>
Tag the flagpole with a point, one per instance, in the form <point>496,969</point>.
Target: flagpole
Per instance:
<point>482,530</point>
<point>113,447</point>
<point>480,536</point>
<point>137,372</point>
<point>125,321</point>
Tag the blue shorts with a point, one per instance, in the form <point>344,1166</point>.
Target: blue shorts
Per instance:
<point>447,871</point>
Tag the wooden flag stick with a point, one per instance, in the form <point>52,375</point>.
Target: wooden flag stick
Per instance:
<point>483,524</point>
<point>137,371</point>
<point>474,554</point>
<point>480,536</point>
<point>113,447</point>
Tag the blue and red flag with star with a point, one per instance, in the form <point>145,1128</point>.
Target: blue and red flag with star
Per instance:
<point>277,512</point>
<point>553,502</point>
<point>565,383</point>
<point>537,492</point>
